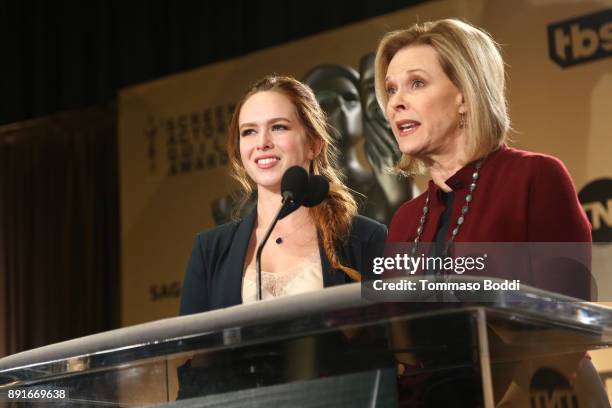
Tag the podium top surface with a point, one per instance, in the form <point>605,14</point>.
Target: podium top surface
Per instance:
<point>324,310</point>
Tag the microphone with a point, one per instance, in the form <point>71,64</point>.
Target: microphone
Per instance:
<point>318,188</point>
<point>297,189</point>
<point>294,184</point>
<point>294,187</point>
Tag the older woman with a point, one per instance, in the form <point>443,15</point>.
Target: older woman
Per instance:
<point>441,85</point>
<point>278,124</point>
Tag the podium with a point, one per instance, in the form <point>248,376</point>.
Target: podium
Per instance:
<point>334,347</point>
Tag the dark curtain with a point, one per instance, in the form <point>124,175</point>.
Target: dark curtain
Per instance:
<point>58,228</point>
<point>69,54</point>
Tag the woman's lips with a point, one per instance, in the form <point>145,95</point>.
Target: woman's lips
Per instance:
<point>407,127</point>
<point>267,162</point>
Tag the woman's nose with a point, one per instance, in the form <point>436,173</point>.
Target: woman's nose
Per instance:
<point>264,141</point>
<point>398,102</point>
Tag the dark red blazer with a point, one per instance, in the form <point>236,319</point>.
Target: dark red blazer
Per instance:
<point>520,197</point>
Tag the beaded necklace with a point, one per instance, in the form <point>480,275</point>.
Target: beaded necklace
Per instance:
<point>460,219</point>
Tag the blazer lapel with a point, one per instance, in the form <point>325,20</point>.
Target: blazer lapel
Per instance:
<point>237,255</point>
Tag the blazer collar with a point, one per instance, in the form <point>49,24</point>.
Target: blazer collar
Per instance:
<point>463,177</point>
<point>237,256</point>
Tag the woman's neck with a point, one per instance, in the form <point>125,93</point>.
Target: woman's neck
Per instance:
<point>444,166</point>
<point>268,204</point>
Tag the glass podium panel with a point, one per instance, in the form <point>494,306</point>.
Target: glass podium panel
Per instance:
<point>330,348</point>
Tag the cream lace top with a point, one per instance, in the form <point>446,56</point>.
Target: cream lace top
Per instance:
<point>303,277</point>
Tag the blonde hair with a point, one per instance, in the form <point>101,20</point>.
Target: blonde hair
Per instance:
<point>334,215</point>
<point>472,61</point>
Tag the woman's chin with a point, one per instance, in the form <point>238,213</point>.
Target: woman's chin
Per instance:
<point>412,151</point>
<point>269,186</point>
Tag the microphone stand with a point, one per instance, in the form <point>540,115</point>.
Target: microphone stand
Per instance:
<point>287,201</point>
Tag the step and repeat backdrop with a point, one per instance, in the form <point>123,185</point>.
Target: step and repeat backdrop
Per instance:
<point>175,175</point>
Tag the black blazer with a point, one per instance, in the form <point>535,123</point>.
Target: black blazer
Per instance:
<point>214,273</point>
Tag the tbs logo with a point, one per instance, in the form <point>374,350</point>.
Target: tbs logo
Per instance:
<point>581,39</point>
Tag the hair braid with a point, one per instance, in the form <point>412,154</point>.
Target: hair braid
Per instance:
<point>333,221</point>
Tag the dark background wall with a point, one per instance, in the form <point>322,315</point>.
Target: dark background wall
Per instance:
<point>59,222</point>
<point>61,55</point>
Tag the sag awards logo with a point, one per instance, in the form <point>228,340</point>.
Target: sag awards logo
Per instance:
<point>187,142</point>
<point>596,199</point>
<point>581,39</point>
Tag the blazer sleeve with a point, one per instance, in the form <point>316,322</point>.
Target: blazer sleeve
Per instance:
<point>556,216</point>
<point>379,235</point>
<point>370,236</point>
<point>194,292</point>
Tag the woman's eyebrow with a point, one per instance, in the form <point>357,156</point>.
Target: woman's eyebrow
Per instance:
<point>409,71</point>
<point>253,124</point>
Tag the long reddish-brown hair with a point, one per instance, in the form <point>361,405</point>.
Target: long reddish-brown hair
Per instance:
<point>332,217</point>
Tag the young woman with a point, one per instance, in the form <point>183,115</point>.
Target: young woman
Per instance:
<point>278,124</point>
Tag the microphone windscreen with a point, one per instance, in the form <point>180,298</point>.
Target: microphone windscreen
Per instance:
<point>294,184</point>
<point>318,188</point>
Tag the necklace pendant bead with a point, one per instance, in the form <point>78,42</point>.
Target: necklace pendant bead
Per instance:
<point>468,198</point>
<point>279,240</point>
<point>475,176</point>
<point>472,186</point>
<point>460,220</point>
<point>465,209</point>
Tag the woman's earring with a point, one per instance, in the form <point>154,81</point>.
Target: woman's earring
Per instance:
<point>462,120</point>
